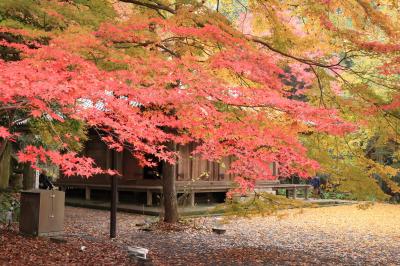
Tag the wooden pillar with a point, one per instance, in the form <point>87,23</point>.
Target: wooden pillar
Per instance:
<point>191,199</point>
<point>113,207</point>
<point>5,165</point>
<point>118,162</point>
<point>306,193</point>
<point>287,193</point>
<point>149,198</point>
<point>28,181</point>
<point>294,193</point>
<point>87,193</point>
<point>109,159</point>
<point>114,197</point>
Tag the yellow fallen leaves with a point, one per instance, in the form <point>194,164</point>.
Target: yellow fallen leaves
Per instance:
<point>370,218</point>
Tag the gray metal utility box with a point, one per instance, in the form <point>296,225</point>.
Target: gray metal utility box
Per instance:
<point>42,212</point>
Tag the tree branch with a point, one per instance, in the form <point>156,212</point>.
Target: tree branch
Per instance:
<point>155,6</point>
<point>166,49</point>
<point>321,99</point>
<point>299,59</point>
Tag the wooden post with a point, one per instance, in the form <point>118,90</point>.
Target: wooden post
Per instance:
<point>294,193</point>
<point>191,199</point>
<point>114,201</point>
<point>149,198</point>
<point>28,177</point>
<point>87,193</point>
<point>306,193</point>
<point>287,193</point>
<point>113,209</point>
<point>5,169</point>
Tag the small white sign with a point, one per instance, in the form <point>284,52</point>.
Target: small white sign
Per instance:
<point>37,174</point>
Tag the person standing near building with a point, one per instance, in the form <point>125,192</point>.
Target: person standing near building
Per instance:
<point>316,183</point>
<point>44,181</point>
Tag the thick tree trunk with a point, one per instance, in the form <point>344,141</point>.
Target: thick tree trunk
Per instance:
<point>169,193</point>
<point>28,177</point>
<point>5,159</point>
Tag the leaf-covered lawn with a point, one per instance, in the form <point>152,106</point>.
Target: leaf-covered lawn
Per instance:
<point>18,250</point>
<point>331,235</point>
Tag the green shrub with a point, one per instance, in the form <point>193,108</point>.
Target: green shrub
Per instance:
<point>9,201</point>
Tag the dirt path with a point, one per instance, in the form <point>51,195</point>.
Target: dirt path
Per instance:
<point>344,235</point>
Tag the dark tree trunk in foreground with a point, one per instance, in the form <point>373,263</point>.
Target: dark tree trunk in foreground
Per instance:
<point>169,193</point>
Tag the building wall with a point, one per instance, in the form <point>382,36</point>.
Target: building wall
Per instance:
<point>189,168</point>
<point>194,168</point>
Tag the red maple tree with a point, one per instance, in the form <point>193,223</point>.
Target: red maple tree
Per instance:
<point>193,82</point>
<point>255,120</point>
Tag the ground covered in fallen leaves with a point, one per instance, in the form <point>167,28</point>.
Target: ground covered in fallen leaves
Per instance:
<point>21,250</point>
<point>342,235</point>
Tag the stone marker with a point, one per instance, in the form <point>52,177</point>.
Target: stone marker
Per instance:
<point>219,231</point>
<point>138,252</point>
<point>218,227</point>
<point>9,217</point>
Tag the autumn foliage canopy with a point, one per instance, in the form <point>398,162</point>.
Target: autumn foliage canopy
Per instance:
<point>190,75</point>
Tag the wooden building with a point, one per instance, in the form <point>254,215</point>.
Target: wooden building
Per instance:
<point>193,175</point>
